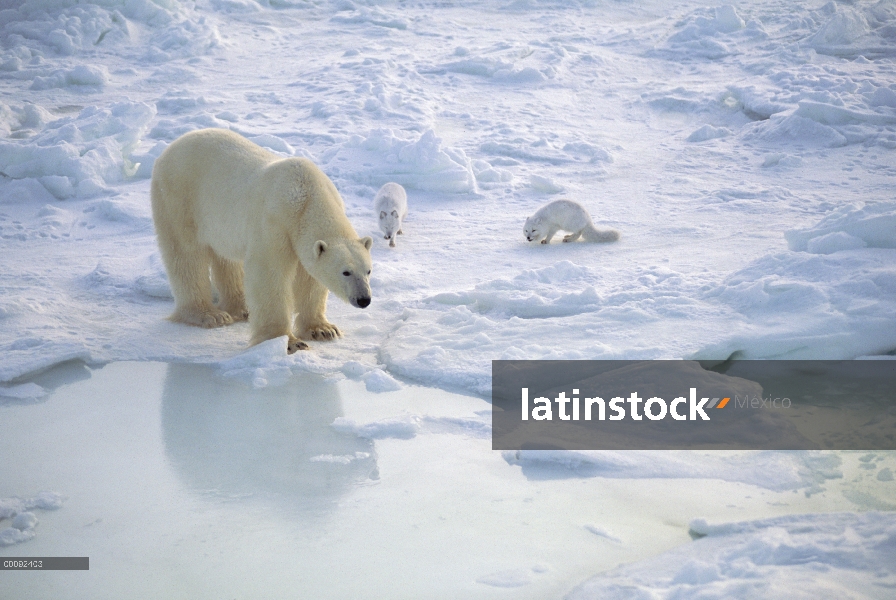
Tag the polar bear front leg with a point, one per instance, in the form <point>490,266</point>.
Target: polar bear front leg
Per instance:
<point>268,297</point>
<point>311,305</point>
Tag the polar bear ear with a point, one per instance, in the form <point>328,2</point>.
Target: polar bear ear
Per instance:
<point>367,241</point>
<point>395,213</point>
<point>320,247</point>
<point>382,214</point>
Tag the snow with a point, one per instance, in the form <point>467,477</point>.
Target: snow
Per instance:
<point>21,520</point>
<point>778,471</point>
<point>744,150</point>
<point>823,556</point>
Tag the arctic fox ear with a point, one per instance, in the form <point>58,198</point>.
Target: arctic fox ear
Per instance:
<point>367,241</point>
<point>320,247</point>
<point>395,213</point>
<point>382,214</point>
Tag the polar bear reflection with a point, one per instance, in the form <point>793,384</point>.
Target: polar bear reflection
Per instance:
<point>226,439</point>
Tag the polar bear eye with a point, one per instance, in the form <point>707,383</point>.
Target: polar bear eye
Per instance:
<point>346,273</point>
<point>368,271</point>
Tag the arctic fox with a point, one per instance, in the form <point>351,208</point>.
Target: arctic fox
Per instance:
<point>391,202</point>
<point>568,216</point>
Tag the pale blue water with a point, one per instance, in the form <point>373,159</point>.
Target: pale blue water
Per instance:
<point>180,483</point>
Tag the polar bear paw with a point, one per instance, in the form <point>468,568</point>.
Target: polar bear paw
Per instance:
<point>294,345</point>
<point>322,332</point>
<point>238,314</point>
<point>208,318</point>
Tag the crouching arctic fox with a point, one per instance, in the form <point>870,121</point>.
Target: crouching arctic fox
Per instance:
<point>391,204</point>
<point>221,202</point>
<point>565,215</point>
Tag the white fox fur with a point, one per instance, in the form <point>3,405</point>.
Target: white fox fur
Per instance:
<point>565,215</point>
<point>391,206</point>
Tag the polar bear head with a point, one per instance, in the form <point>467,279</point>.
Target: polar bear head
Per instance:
<point>534,229</point>
<point>344,267</point>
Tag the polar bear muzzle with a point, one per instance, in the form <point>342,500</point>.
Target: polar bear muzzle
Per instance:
<point>352,283</point>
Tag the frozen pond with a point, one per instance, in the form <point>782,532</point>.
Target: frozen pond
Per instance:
<point>180,483</point>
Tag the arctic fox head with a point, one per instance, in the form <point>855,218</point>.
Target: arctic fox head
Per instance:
<point>344,267</point>
<point>390,223</point>
<point>533,229</point>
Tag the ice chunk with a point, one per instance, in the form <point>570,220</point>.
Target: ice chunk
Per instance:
<point>872,224</point>
<point>90,150</point>
<point>422,163</point>
<point>708,132</point>
<point>727,20</point>
<point>82,75</point>
<point>845,26</point>
<point>403,428</point>
<point>834,242</point>
<point>378,380</point>
<point>22,391</point>
<point>544,185</point>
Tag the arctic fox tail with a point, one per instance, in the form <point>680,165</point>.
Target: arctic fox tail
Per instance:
<point>591,234</point>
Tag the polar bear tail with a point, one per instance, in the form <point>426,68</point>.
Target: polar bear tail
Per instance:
<point>591,234</point>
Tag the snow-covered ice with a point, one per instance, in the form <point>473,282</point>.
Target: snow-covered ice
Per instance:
<point>822,556</point>
<point>745,150</point>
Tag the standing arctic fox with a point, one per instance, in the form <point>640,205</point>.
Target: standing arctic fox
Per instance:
<point>391,203</point>
<point>565,215</point>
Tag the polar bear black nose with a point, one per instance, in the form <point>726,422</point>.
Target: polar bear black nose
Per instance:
<point>363,302</point>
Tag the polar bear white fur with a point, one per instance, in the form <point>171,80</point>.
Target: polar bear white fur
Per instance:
<point>222,202</point>
<point>565,215</point>
<point>391,204</point>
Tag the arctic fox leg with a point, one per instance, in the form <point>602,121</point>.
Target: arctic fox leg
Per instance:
<point>572,236</point>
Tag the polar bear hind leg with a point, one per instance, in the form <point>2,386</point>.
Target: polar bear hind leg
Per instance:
<point>310,299</point>
<point>187,264</point>
<point>193,301</point>
<point>228,279</point>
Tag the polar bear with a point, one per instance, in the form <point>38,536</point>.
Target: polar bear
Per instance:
<point>221,202</point>
<point>391,204</point>
<point>565,215</point>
